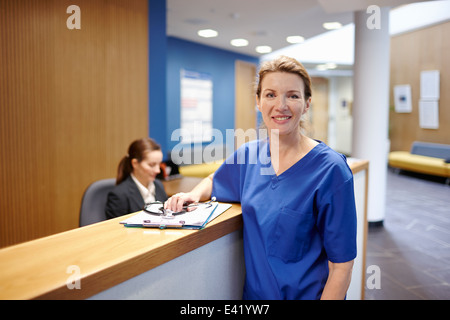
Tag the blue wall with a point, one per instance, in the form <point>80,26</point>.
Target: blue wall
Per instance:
<point>157,49</point>
<point>167,56</point>
<point>220,64</point>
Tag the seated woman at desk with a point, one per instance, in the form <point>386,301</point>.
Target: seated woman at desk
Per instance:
<point>296,194</point>
<point>136,182</point>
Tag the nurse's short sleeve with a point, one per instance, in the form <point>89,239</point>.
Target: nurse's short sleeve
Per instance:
<point>227,181</point>
<point>337,223</point>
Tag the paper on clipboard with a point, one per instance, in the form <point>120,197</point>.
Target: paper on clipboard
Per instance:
<point>196,219</point>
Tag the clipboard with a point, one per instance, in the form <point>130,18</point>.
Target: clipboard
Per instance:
<point>196,219</point>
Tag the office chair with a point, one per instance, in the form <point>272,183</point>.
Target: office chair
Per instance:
<point>94,201</point>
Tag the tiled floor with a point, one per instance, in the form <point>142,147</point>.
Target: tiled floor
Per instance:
<point>412,248</point>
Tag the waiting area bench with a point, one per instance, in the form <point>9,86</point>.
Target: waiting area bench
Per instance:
<point>200,170</point>
<point>424,157</point>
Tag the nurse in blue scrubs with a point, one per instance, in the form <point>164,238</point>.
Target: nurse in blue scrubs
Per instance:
<point>296,194</point>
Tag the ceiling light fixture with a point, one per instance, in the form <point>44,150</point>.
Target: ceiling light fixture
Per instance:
<point>326,66</point>
<point>295,39</point>
<point>263,49</point>
<point>332,25</point>
<point>239,42</point>
<point>207,33</point>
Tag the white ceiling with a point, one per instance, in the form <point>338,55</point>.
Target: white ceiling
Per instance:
<point>261,22</point>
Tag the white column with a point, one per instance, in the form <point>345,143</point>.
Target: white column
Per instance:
<point>371,103</point>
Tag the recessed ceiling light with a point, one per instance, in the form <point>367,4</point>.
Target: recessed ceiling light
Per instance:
<point>207,33</point>
<point>332,25</point>
<point>263,49</point>
<point>326,66</point>
<point>295,39</point>
<point>239,42</point>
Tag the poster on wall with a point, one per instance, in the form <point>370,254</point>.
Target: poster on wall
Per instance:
<point>402,96</point>
<point>196,106</point>
<point>429,99</point>
<point>429,85</point>
<point>429,114</point>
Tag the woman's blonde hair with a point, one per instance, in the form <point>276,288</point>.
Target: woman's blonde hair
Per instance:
<point>285,64</point>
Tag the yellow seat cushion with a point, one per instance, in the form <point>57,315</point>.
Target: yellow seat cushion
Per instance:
<point>199,170</point>
<point>413,162</point>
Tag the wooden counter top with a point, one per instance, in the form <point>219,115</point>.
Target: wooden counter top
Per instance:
<point>184,184</point>
<point>105,253</point>
<point>357,165</point>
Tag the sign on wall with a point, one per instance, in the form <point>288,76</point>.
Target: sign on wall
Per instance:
<point>196,106</point>
<point>402,96</point>
<point>429,99</point>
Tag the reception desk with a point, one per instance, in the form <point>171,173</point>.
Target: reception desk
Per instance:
<point>360,169</point>
<point>109,261</point>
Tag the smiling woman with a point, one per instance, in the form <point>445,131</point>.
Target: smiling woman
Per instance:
<point>283,96</point>
<point>291,69</point>
<point>282,102</point>
<point>298,207</point>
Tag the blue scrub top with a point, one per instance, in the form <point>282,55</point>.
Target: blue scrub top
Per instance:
<point>293,223</point>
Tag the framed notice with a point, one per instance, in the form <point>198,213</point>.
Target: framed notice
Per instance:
<point>429,99</point>
<point>429,114</point>
<point>402,96</point>
<point>196,106</point>
<point>429,85</point>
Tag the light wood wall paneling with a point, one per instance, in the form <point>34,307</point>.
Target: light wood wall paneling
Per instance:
<point>71,102</point>
<point>245,104</point>
<point>411,53</point>
<point>318,113</point>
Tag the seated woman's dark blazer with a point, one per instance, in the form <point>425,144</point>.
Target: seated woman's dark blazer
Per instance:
<point>125,198</point>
